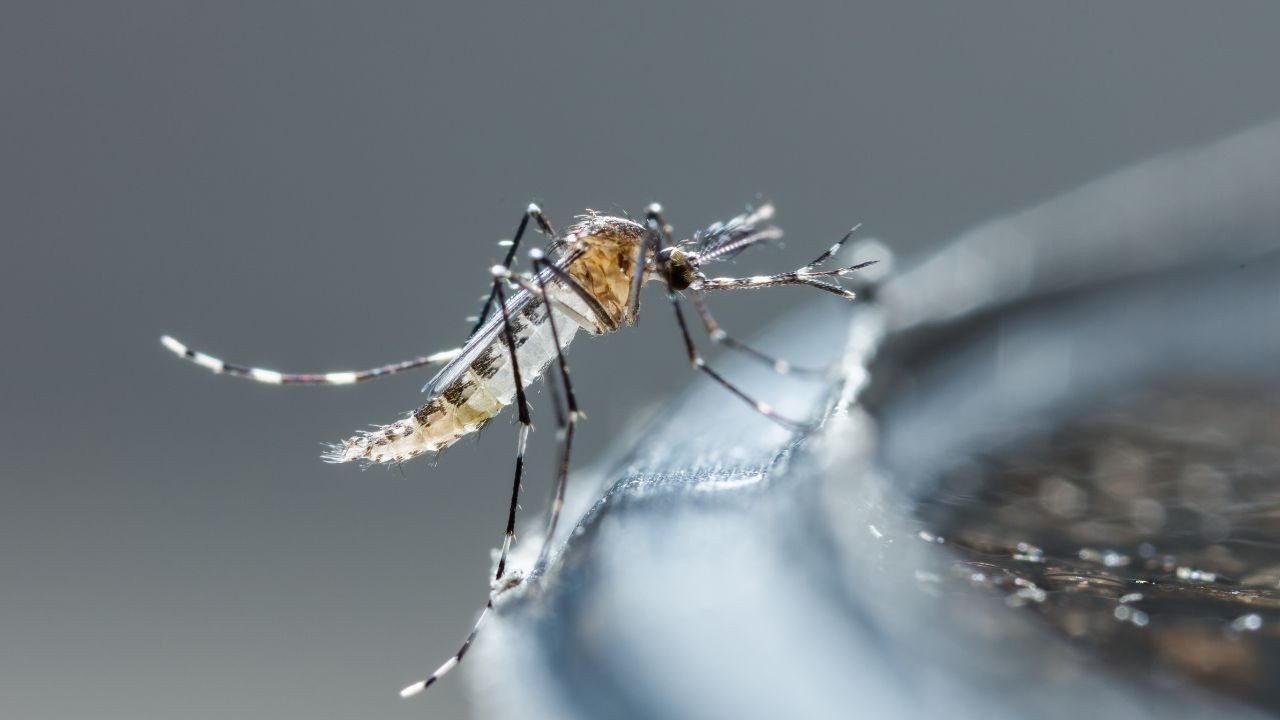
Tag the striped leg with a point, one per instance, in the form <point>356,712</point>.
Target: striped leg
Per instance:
<point>699,364</point>
<point>522,405</point>
<point>807,275</point>
<point>272,377</point>
<point>566,419</point>
<point>719,336</point>
<point>799,277</point>
<point>453,661</point>
<point>456,658</point>
<point>525,425</point>
<point>544,226</point>
<point>565,422</point>
<point>833,250</point>
<point>658,230</point>
<point>568,413</point>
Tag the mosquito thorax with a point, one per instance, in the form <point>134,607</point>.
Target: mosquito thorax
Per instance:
<point>677,268</point>
<point>601,257</point>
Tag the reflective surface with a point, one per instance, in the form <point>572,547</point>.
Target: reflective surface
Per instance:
<point>1147,534</point>
<point>1043,486</point>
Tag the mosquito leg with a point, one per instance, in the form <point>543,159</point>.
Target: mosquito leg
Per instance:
<point>833,250</point>
<point>653,214</point>
<point>653,242</point>
<point>525,425</point>
<point>699,364</point>
<point>812,278</point>
<point>272,377</point>
<point>566,420</point>
<point>522,405</point>
<point>453,660</point>
<point>544,226</point>
<point>807,275</point>
<point>566,423</point>
<point>719,336</point>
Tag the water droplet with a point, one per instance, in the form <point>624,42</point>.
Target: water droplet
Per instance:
<point>1249,623</point>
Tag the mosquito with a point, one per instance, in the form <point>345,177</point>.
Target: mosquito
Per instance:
<point>587,279</point>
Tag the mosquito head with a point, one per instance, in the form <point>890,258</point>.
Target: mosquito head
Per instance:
<point>678,268</point>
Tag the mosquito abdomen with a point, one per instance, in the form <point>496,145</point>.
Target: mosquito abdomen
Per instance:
<point>466,403</point>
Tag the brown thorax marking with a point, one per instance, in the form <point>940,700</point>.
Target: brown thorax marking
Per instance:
<point>604,252</point>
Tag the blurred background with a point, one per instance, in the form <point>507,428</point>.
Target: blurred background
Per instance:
<point>316,186</point>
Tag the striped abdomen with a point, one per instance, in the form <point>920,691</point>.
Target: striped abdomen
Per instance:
<point>472,389</point>
<point>600,257</point>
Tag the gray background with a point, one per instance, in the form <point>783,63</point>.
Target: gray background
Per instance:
<point>319,186</point>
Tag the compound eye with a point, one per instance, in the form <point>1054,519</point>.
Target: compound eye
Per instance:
<point>675,268</point>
